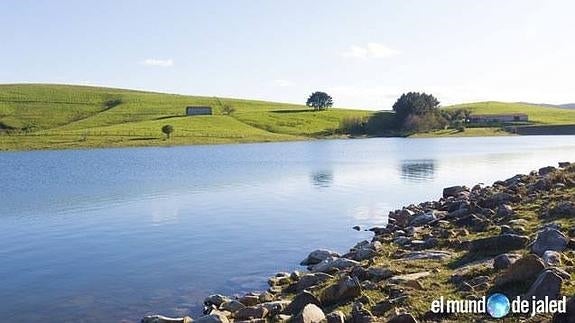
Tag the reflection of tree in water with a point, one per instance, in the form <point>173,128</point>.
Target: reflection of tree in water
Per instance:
<point>322,178</point>
<point>420,170</point>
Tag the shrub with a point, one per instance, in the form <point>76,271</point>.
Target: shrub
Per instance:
<point>353,125</point>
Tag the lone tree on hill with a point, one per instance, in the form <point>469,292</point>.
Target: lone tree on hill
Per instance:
<point>167,129</point>
<point>319,101</point>
<point>414,103</point>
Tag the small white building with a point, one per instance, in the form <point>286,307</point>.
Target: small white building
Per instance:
<point>487,118</point>
<point>198,110</point>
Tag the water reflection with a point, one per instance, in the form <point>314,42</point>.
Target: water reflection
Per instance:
<point>419,170</point>
<point>322,178</point>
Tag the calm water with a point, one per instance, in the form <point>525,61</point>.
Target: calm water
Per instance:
<point>111,235</point>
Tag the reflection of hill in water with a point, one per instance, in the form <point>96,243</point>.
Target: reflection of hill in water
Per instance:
<point>420,170</point>
<point>322,178</point>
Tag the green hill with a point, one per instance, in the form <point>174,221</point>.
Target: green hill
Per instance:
<point>39,116</point>
<point>538,114</point>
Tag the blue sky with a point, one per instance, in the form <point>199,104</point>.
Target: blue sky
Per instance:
<point>364,53</point>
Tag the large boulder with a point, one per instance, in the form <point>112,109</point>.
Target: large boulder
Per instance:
<point>317,256</point>
<point>423,219</point>
<point>403,318</point>
<point>300,301</point>
<point>310,314</point>
<point>212,318</point>
<point>549,239</point>
<point>251,312</point>
<point>547,284</point>
<point>216,300</point>
<point>498,244</point>
<point>344,290</point>
<point>524,269</point>
<point>332,263</point>
<point>232,306</point>
<point>309,280</point>
<point>454,191</point>
<point>563,209</point>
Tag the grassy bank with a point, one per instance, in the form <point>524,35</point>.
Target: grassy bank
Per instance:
<point>40,116</point>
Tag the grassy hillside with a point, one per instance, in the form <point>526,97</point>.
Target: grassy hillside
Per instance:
<point>537,114</point>
<point>39,116</point>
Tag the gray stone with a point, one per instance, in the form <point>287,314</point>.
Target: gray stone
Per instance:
<point>250,300</point>
<point>524,269</point>
<point>309,280</point>
<point>498,244</point>
<point>548,284</point>
<point>345,289</point>
<point>212,318</point>
<point>216,300</point>
<point>251,312</point>
<point>333,263</point>
<point>549,239</point>
<point>300,301</point>
<point>546,170</point>
<point>318,256</point>
<point>502,261</point>
<point>408,277</point>
<point>310,314</point>
<point>429,254</point>
<point>232,306</point>
<point>454,191</point>
<point>335,317</point>
<point>423,219</point>
<point>505,211</point>
<point>551,258</point>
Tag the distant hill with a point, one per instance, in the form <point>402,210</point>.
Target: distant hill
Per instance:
<point>540,114</point>
<point>63,116</point>
<point>568,106</point>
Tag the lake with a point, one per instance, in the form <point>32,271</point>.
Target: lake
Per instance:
<point>114,234</point>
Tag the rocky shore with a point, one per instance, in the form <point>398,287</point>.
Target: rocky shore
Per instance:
<point>513,237</point>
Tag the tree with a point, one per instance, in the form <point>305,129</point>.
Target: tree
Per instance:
<point>319,101</point>
<point>228,110</point>
<point>414,103</point>
<point>167,129</point>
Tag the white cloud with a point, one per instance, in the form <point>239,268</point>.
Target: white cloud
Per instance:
<point>158,62</point>
<point>283,83</point>
<point>371,50</point>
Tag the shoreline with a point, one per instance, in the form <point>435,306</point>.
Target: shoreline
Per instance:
<point>308,139</point>
<point>514,237</point>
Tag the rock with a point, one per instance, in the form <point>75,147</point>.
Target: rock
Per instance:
<point>498,244</point>
<point>251,312</point>
<point>335,317</point>
<point>402,217</point>
<point>407,277</point>
<point>165,319</point>
<point>505,210</point>
<point>344,290</point>
<point>249,300</point>
<point>429,254</point>
<point>403,318</point>
<point>333,263</point>
<point>276,307</point>
<point>402,241</point>
<point>502,261</point>
<point>378,273</point>
<point>310,314</point>
<point>569,315</point>
<point>279,281</point>
<point>563,209</point>
<point>551,258</point>
<point>359,314</point>
<point>547,284</point>
<point>382,307</point>
<point>317,256</point>
<point>497,199</point>
<point>309,280</point>
<point>216,300</point>
<point>300,301</point>
<point>549,239</point>
<point>564,164</point>
<point>524,269</point>
<point>232,306</point>
<point>295,275</point>
<point>212,318</point>
<point>423,219</point>
<point>454,191</point>
<point>357,228</point>
<point>546,170</point>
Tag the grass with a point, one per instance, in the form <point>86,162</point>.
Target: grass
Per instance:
<point>48,116</point>
<point>51,116</point>
<point>537,114</point>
